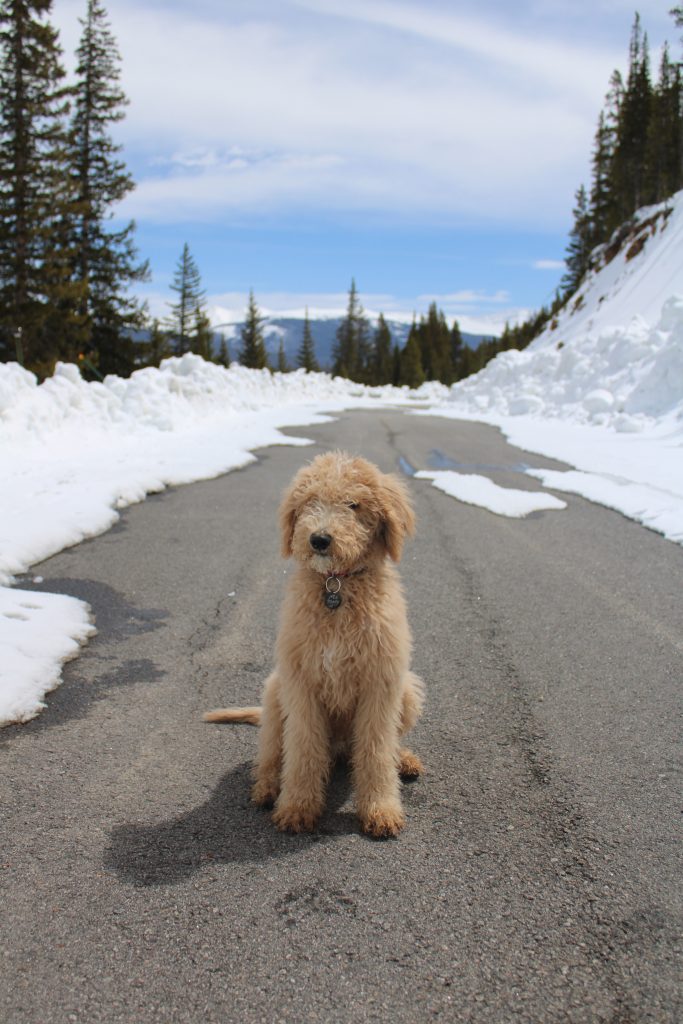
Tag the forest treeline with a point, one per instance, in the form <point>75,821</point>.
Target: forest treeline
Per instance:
<point>66,274</point>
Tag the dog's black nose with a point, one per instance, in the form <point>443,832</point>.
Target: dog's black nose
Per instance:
<point>320,541</point>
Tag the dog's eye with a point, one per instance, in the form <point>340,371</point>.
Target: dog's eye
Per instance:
<point>352,504</point>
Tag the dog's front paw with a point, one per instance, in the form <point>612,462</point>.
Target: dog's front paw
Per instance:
<point>292,818</point>
<point>383,822</point>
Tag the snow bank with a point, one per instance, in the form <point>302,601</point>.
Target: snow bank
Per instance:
<point>627,377</point>
<point>602,387</point>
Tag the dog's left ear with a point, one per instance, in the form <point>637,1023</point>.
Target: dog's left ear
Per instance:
<point>398,518</point>
<point>288,510</point>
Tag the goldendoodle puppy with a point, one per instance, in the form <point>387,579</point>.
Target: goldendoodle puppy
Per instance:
<point>342,684</point>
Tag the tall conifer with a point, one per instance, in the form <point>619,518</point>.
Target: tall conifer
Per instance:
<point>107,260</point>
<point>381,363</point>
<point>253,352</point>
<point>187,317</point>
<point>351,351</point>
<point>306,359</point>
<point>580,243</point>
<point>34,187</point>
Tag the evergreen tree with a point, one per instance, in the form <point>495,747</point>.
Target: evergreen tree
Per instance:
<point>351,351</point>
<point>457,349</point>
<point>35,194</point>
<point>381,363</point>
<point>106,262</point>
<point>253,353</point>
<point>202,340</point>
<point>665,133</point>
<point>580,243</point>
<point>434,339</point>
<point>223,356</point>
<point>306,359</point>
<point>411,369</point>
<point>282,365</point>
<point>396,366</point>
<point>629,180</point>
<point>187,314</point>
<point>602,211</point>
<point>158,346</point>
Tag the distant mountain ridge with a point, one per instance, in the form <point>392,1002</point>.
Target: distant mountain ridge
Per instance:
<point>290,331</point>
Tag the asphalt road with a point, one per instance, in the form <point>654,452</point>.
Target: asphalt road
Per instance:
<point>538,878</point>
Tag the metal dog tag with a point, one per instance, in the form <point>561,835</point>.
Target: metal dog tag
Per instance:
<point>333,600</point>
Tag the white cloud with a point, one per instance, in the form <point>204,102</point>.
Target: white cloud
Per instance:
<point>549,265</point>
<point>312,104</point>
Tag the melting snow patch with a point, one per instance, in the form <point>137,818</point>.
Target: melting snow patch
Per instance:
<point>479,490</point>
<point>659,510</point>
<point>38,633</point>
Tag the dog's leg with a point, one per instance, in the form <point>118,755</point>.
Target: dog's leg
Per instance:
<point>305,766</point>
<point>268,765</point>
<point>410,765</point>
<point>413,701</point>
<point>376,762</point>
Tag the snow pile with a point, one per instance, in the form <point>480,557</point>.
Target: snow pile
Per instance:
<point>627,377</point>
<point>602,387</point>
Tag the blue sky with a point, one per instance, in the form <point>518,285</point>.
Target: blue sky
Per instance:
<point>430,149</point>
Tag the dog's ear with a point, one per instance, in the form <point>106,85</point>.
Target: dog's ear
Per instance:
<point>398,518</point>
<point>288,511</point>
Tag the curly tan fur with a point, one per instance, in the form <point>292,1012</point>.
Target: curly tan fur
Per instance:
<point>342,684</point>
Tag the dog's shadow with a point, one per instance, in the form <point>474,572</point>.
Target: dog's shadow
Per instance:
<point>226,828</point>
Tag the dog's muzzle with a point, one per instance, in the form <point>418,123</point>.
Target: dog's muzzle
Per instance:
<point>320,542</point>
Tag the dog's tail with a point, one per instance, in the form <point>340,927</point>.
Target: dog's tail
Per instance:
<point>250,715</point>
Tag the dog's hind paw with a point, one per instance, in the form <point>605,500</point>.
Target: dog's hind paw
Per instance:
<point>382,823</point>
<point>264,794</point>
<point>294,819</point>
<point>410,766</point>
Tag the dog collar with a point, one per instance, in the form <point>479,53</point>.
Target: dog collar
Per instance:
<point>332,597</point>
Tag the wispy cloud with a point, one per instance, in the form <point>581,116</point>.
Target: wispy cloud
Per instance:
<point>316,104</point>
<point>548,264</point>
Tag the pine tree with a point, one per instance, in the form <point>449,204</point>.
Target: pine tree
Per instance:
<point>434,339</point>
<point>223,356</point>
<point>602,203</point>
<point>664,142</point>
<point>412,372</point>
<point>306,359</point>
<point>629,179</point>
<point>107,259</point>
<point>580,244</point>
<point>351,351</point>
<point>457,349</point>
<point>202,339</point>
<point>253,353</point>
<point>282,364</point>
<point>187,313</point>
<point>35,194</point>
<point>381,363</point>
<point>157,347</point>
